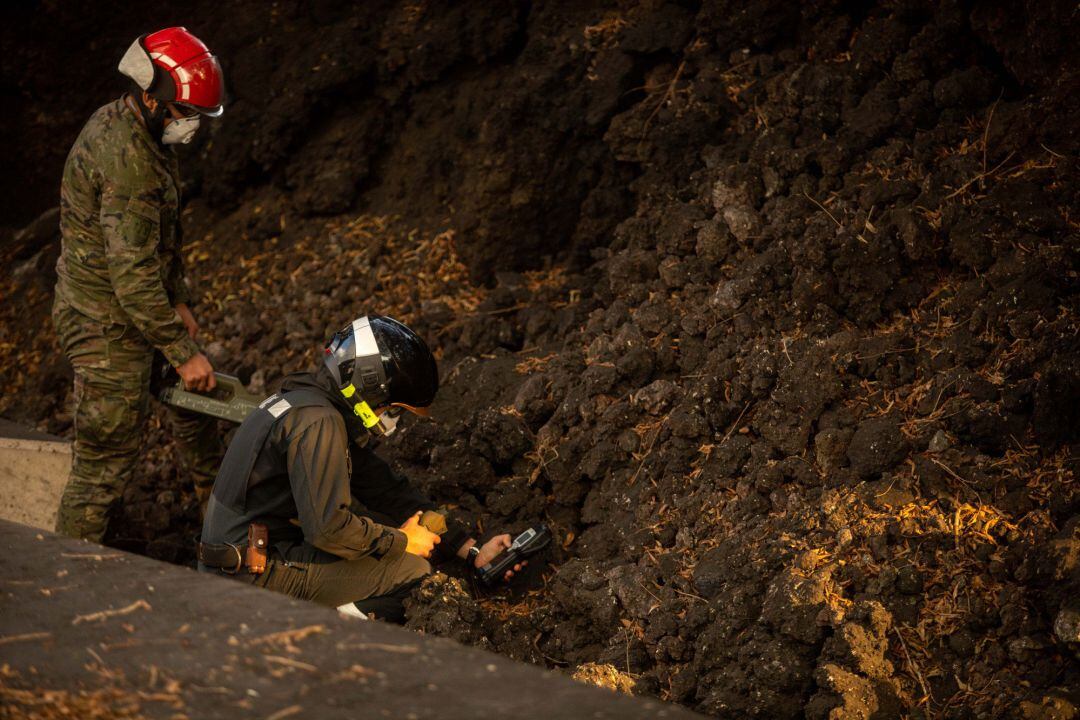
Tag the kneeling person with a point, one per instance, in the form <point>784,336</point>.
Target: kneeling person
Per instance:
<point>301,486</point>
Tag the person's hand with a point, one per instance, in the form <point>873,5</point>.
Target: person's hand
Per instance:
<point>421,540</point>
<point>491,549</point>
<point>189,320</point>
<point>198,374</point>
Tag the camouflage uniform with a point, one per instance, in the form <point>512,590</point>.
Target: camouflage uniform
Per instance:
<point>120,274</point>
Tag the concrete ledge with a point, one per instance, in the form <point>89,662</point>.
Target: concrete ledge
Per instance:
<point>33,472</point>
<point>82,624</point>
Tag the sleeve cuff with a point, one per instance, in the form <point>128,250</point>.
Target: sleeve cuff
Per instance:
<point>452,540</point>
<point>391,544</point>
<point>181,295</point>
<point>401,541</point>
<point>180,350</point>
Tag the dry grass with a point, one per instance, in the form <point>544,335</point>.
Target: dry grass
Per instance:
<point>534,364</point>
<point>23,346</point>
<point>605,676</point>
<point>604,34</point>
<point>115,698</point>
<point>504,611</point>
<point>378,264</point>
<point>543,453</point>
<point>410,267</point>
<point>945,542</point>
<point>947,538</point>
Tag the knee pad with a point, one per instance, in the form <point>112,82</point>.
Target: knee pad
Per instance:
<point>351,610</point>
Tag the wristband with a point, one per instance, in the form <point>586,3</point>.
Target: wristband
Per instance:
<point>470,558</point>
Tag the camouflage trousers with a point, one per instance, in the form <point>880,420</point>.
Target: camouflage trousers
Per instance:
<point>112,365</point>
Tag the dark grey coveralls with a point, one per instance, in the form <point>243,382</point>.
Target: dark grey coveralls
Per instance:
<point>332,506</point>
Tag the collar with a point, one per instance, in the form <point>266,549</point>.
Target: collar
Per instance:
<point>321,382</point>
<point>141,133</point>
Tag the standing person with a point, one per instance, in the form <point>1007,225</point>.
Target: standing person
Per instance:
<point>303,506</point>
<point>120,290</point>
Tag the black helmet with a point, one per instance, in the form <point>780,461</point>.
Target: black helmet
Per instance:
<point>377,361</point>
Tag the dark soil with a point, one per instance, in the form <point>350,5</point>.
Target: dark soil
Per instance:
<point>770,310</point>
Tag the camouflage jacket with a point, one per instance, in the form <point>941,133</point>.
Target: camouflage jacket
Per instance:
<point>120,260</point>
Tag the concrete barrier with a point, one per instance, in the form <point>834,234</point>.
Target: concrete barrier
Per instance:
<point>93,632</point>
<point>33,471</point>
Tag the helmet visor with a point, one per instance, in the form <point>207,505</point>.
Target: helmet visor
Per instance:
<point>200,86</point>
<point>186,110</point>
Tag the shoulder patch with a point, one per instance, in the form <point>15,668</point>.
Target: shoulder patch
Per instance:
<point>279,408</point>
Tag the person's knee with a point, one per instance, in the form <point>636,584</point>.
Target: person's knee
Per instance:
<point>197,434</point>
<point>109,417</point>
<point>413,569</point>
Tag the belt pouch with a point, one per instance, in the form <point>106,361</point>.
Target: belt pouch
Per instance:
<point>258,542</point>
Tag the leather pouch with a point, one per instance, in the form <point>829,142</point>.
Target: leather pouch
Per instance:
<point>258,543</point>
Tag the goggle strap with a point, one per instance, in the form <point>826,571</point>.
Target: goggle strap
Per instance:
<point>369,418</point>
<point>362,409</point>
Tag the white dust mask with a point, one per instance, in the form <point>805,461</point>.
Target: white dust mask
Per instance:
<point>180,131</point>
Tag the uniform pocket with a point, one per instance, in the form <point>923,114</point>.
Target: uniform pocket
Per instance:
<point>148,211</point>
<point>144,220</point>
<point>110,411</point>
<point>126,335</point>
<point>81,337</point>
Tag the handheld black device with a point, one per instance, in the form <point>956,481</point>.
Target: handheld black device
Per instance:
<point>527,543</point>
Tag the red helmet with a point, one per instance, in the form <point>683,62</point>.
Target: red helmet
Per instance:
<point>175,66</point>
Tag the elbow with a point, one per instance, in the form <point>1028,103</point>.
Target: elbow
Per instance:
<point>334,533</point>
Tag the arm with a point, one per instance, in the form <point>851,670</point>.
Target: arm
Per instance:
<point>318,474</point>
<point>389,494</point>
<point>175,283</point>
<point>489,551</point>
<point>174,278</point>
<point>130,223</point>
<point>378,487</point>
